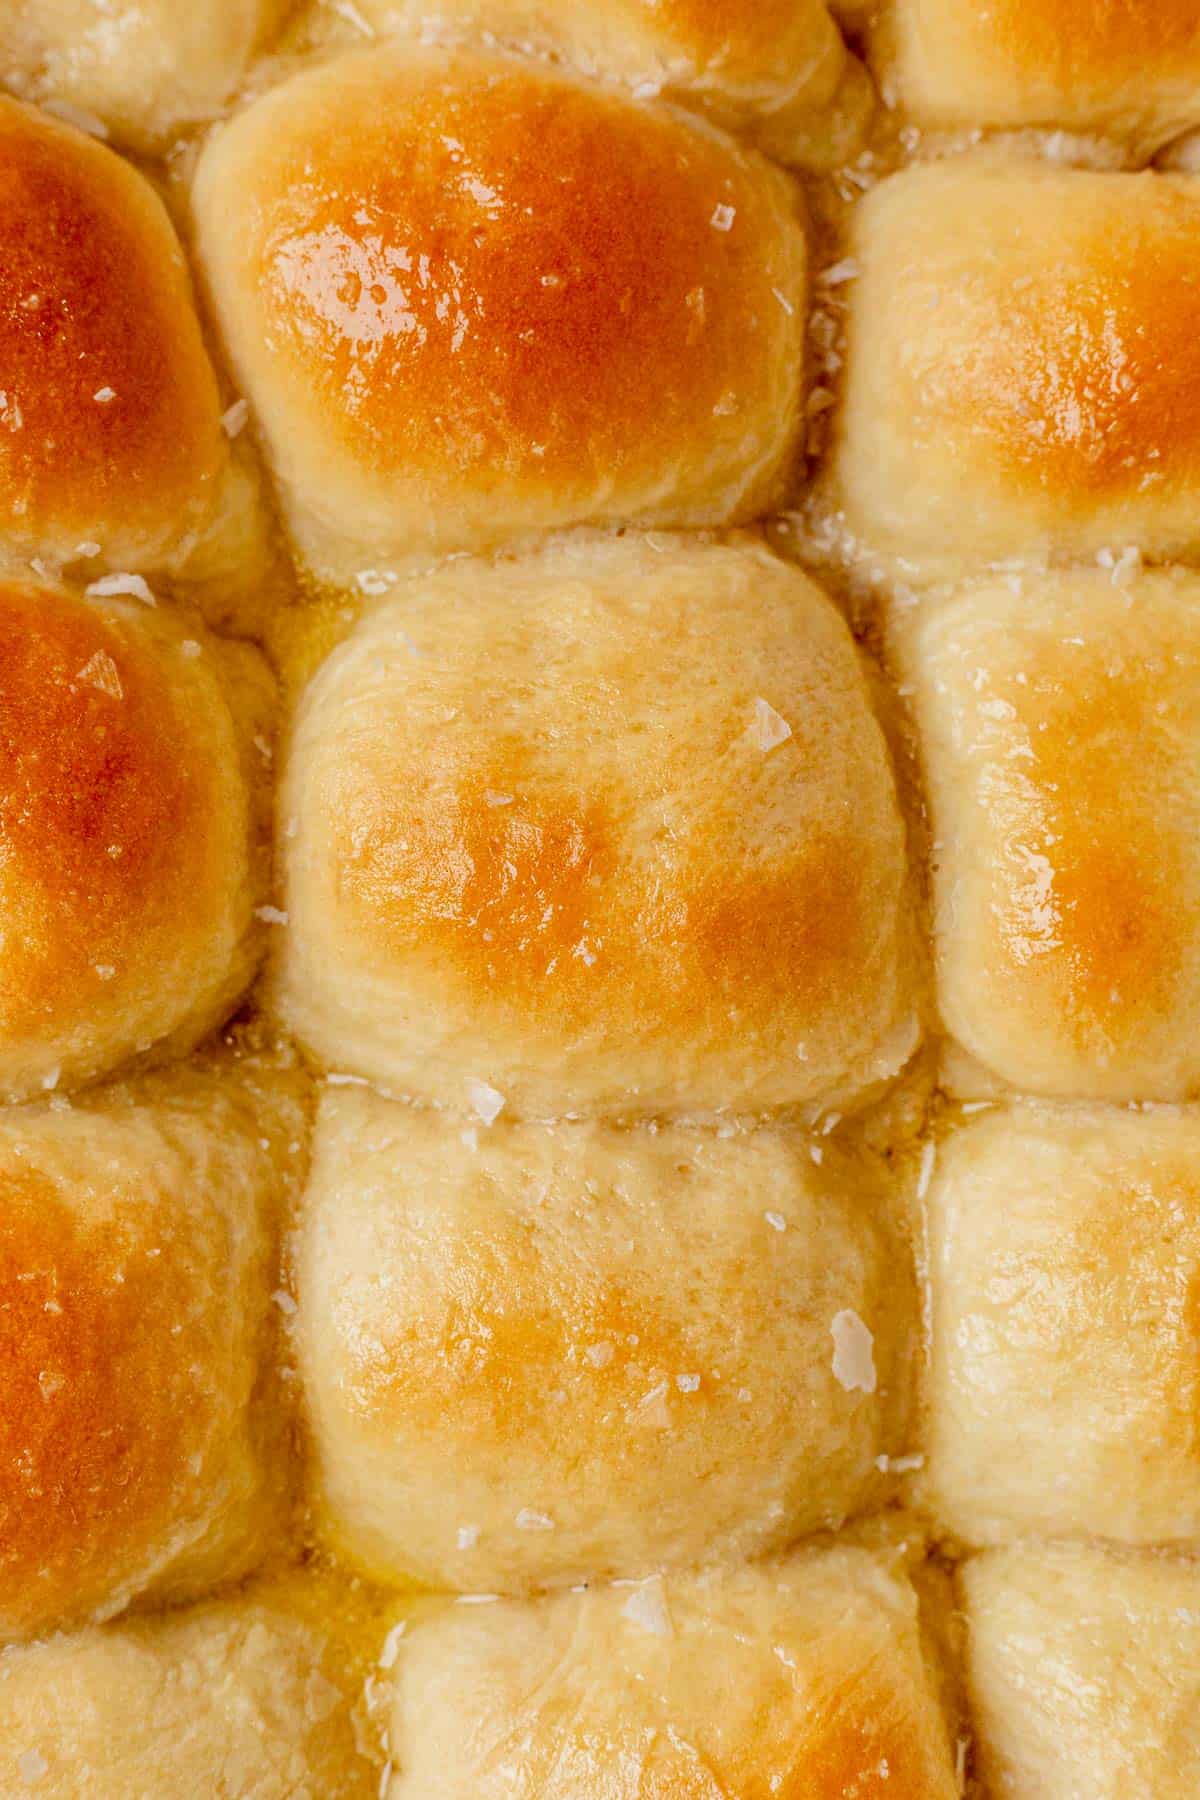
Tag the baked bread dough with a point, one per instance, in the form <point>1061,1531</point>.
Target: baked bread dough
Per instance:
<point>542,831</point>
<point>776,71</point>
<point>1023,366</point>
<point>808,1676</point>
<point>455,331</point>
<point>1064,1377</point>
<point>1083,1673</point>
<point>112,454</point>
<point>1128,69</point>
<point>536,1356</point>
<point>138,70</point>
<point>1059,720</point>
<point>141,1447</point>
<point>254,1697</point>
<point>131,833</point>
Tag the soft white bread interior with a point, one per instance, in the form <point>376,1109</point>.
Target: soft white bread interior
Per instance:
<point>1064,1380</point>
<point>538,1355</point>
<point>1059,722</point>
<point>1084,1672</point>
<point>112,452</point>
<point>607,830</point>
<point>255,1697</point>
<point>809,1677</point>
<point>775,71</point>
<point>141,1448</point>
<point>1023,365</point>
<point>133,819</point>
<point>458,330</point>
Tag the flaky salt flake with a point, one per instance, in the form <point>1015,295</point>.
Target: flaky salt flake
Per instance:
<point>104,396</point>
<point>529,1520</point>
<point>467,1536</point>
<point>50,1079</point>
<point>476,1600</point>
<point>469,1138</point>
<point>723,217</point>
<point>769,729</point>
<point>233,419</point>
<point>391,1645</point>
<point>776,1221</point>
<point>783,300</point>
<point>32,1765</point>
<point>337,1080</point>
<point>270,915</point>
<point>688,1384</point>
<point>375,581</point>
<point>105,971</point>
<point>853,1353</point>
<point>191,649</point>
<point>840,272</point>
<point>486,1102</point>
<point>101,672</point>
<point>899,1465</point>
<point>135,586</point>
<point>283,1300</point>
<point>89,547</point>
<point>925,1171</point>
<point>646,1608</point>
<point>599,1355</point>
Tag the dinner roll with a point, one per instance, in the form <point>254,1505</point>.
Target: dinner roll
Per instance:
<point>142,70</point>
<point>1024,365</point>
<point>129,837</point>
<point>1085,1674</point>
<point>252,1698</point>
<point>806,1677</point>
<point>775,70</point>
<point>112,454</point>
<point>458,329</point>
<point>611,829</point>
<point>538,1355</point>
<point>1060,730</point>
<point>1128,68</point>
<point>1064,1381</point>
<point>135,1269</point>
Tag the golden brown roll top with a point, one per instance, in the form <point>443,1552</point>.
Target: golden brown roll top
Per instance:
<point>1060,731</point>
<point>135,1319</point>
<point>1083,1671</point>
<point>609,830</point>
<point>112,454</point>
<point>253,1696</point>
<point>806,1677</point>
<point>1024,366</point>
<point>130,836</point>
<point>776,71</point>
<point>1126,67</point>
<point>1064,1380</point>
<point>440,286</point>
<point>539,1355</point>
<point>142,70</point>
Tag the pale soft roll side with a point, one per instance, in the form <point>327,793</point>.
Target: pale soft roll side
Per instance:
<point>609,830</point>
<point>455,328</point>
<point>776,71</point>
<point>808,1677</point>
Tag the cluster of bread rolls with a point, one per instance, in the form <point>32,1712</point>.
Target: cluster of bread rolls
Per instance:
<point>599,1158</point>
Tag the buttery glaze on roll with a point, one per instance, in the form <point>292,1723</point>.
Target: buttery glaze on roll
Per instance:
<point>254,1697</point>
<point>775,71</point>
<point>135,1273</point>
<point>457,328</point>
<point>1060,732</point>
<point>545,1355</point>
<point>112,454</point>
<point>1023,366</point>
<point>1129,69</point>
<point>607,830</point>
<point>1064,1379</point>
<point>143,70</point>
<point>804,1677</point>
<point>1084,1672</point>
<point>130,837</point>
